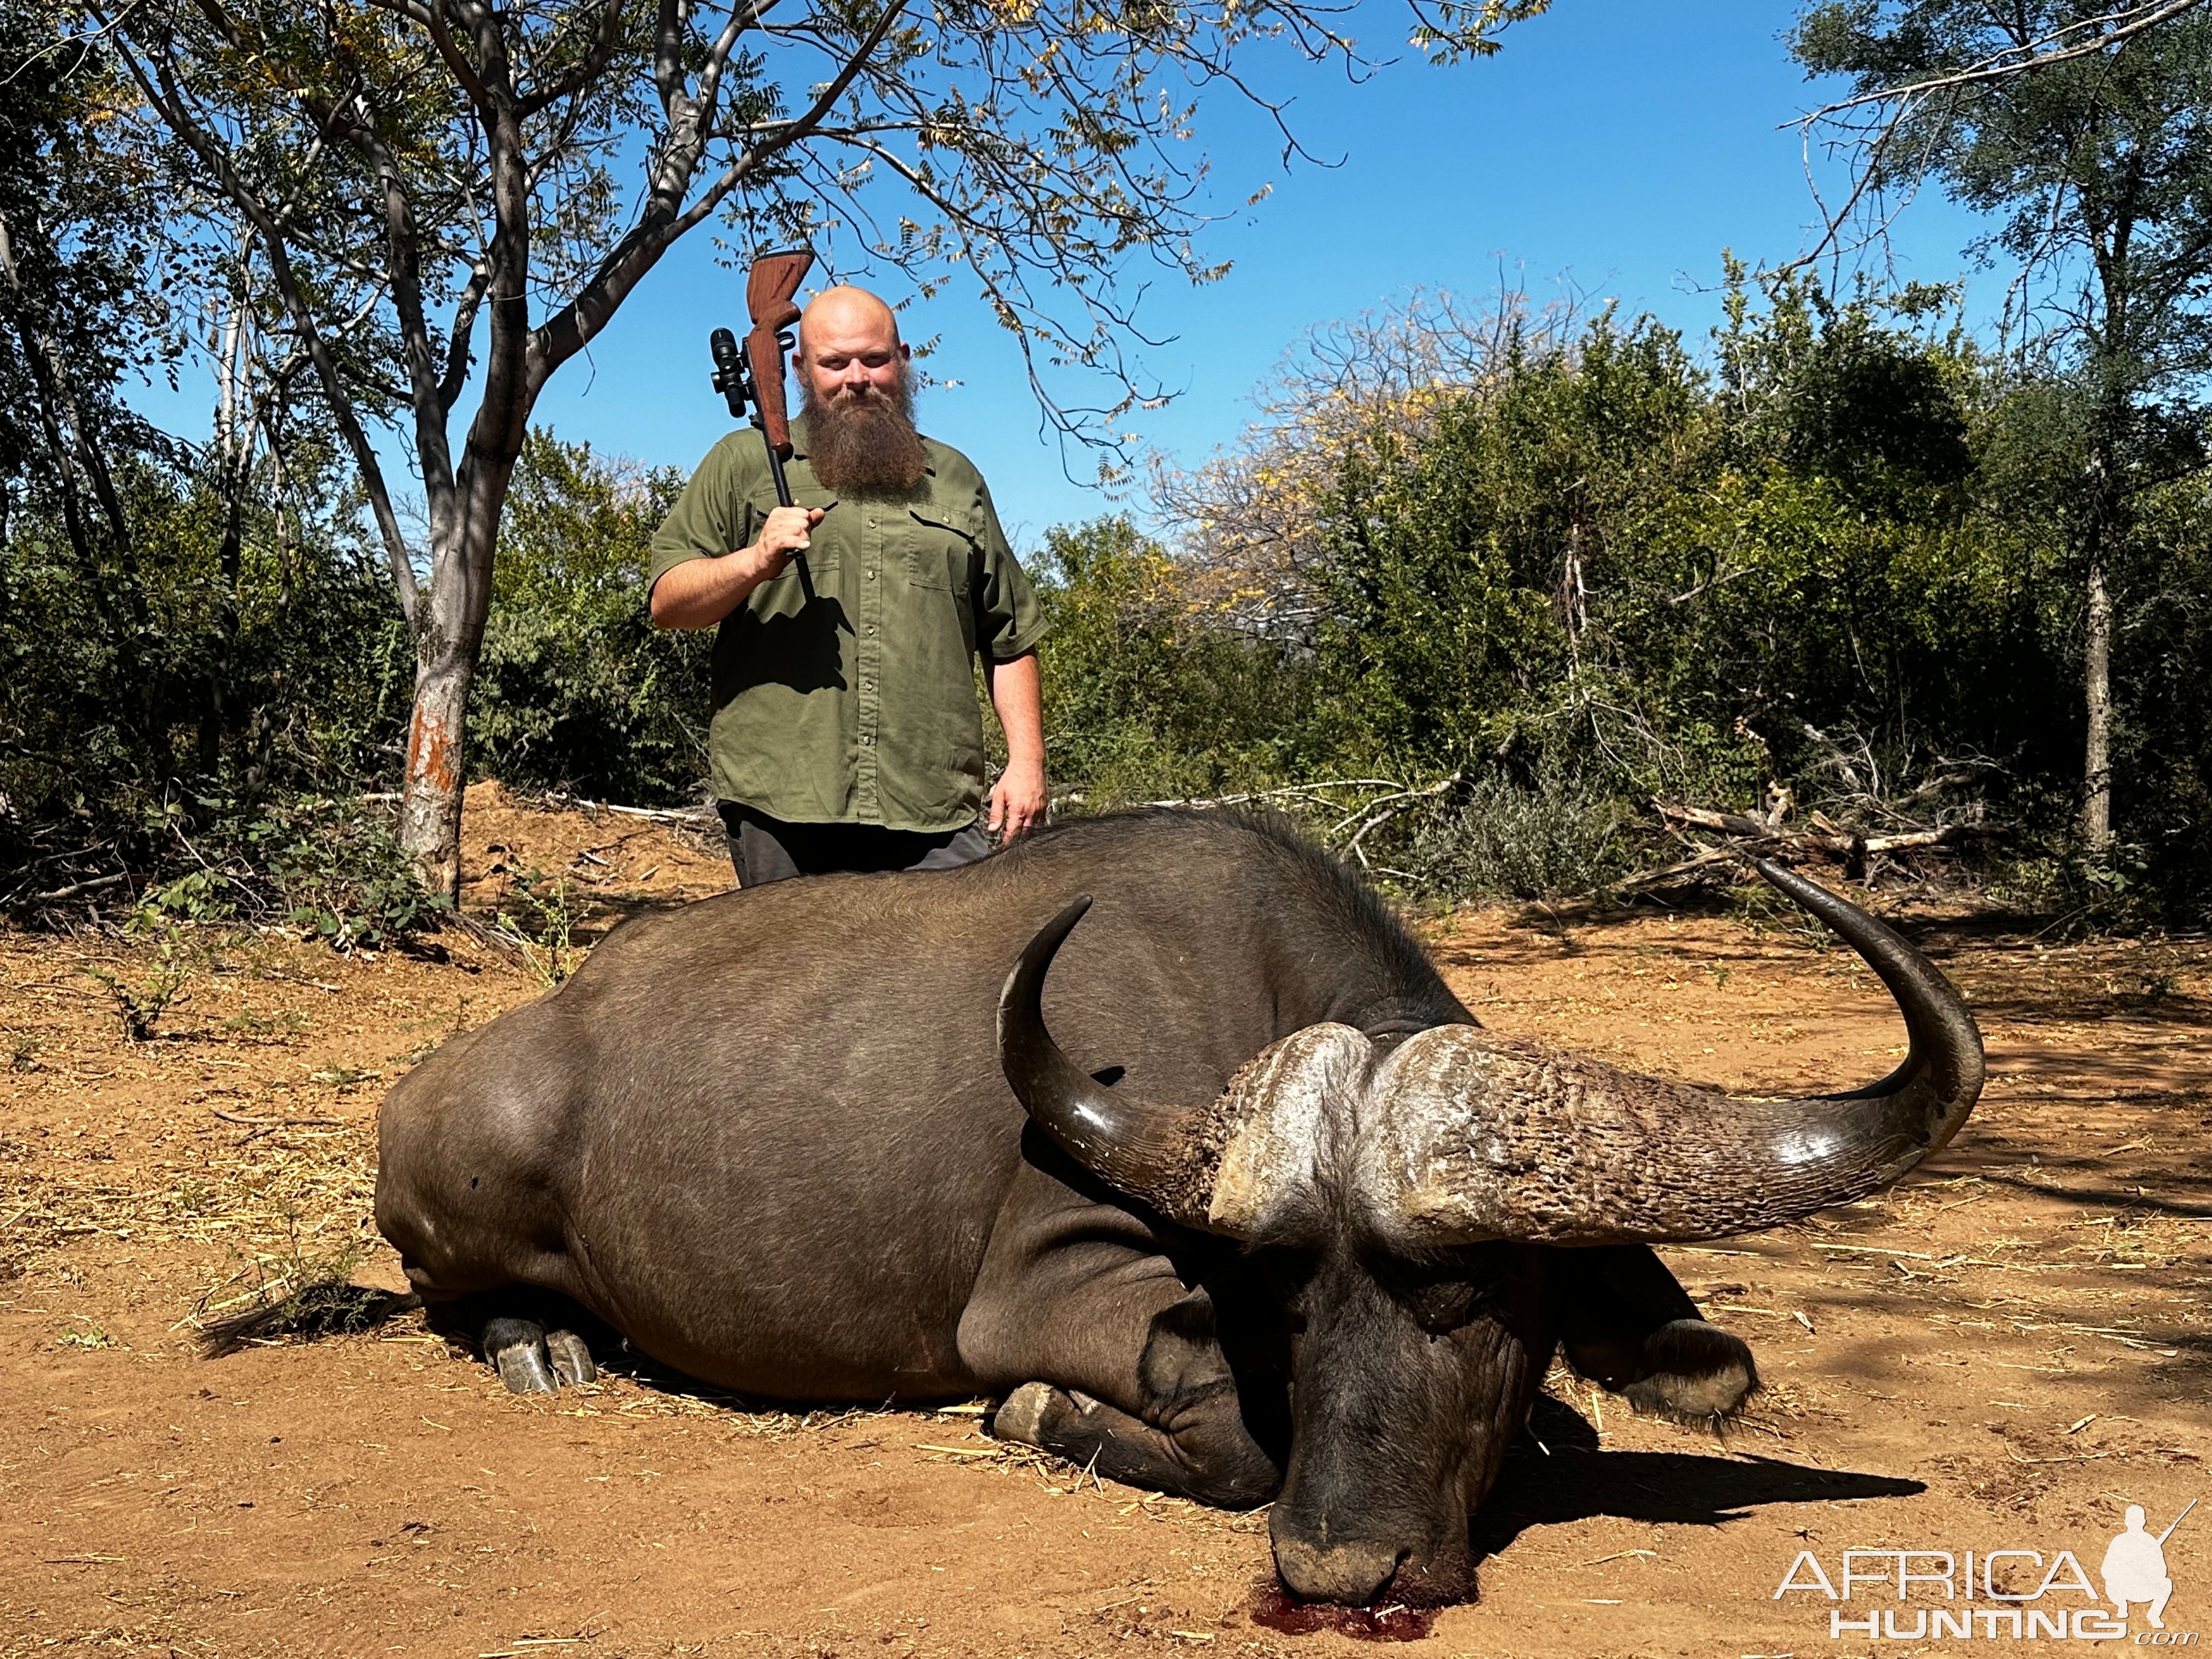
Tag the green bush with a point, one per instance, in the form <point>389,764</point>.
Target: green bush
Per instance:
<point>1147,696</point>
<point>340,873</point>
<point>329,866</point>
<point>1553,837</point>
<point>576,688</point>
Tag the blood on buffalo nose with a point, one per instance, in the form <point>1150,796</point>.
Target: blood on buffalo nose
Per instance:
<point>1352,1573</point>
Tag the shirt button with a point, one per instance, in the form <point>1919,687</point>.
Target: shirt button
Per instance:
<point>872,630</point>
<point>872,576</point>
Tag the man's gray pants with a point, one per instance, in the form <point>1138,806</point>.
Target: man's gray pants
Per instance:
<point>765,849</point>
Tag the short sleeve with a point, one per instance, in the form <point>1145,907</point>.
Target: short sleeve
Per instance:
<point>1010,620</point>
<point>712,517</point>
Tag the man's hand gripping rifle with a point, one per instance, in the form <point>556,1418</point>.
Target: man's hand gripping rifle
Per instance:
<point>754,376</point>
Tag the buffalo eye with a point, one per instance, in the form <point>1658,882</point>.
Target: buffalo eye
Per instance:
<point>1439,1306</point>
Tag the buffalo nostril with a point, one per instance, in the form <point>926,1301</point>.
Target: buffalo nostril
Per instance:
<point>1352,1573</point>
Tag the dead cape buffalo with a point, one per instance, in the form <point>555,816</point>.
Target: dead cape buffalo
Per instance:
<point>1222,1189</point>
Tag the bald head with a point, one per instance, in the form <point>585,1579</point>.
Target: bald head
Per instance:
<point>847,321</point>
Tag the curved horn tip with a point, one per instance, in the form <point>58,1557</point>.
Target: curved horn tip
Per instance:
<point>1045,943</point>
<point>1777,875</point>
<point>1063,924</point>
<point>1027,977</point>
<point>1804,890</point>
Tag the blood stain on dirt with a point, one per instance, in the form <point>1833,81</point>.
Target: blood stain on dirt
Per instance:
<point>1278,1610</point>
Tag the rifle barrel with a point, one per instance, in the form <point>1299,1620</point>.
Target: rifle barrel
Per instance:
<point>2178,1520</point>
<point>774,461</point>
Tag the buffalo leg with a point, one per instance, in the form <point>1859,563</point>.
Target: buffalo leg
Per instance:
<point>1190,1439</point>
<point>1629,1325</point>
<point>1078,1314</point>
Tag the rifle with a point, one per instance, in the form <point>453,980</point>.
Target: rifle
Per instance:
<point>756,375</point>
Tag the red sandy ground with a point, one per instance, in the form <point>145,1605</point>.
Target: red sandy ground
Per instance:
<point>2000,1353</point>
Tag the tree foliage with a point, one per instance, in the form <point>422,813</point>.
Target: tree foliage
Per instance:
<point>1147,696</point>
<point>579,690</point>
<point>1831,555</point>
<point>1481,581</point>
<point>2095,166</point>
<point>191,639</point>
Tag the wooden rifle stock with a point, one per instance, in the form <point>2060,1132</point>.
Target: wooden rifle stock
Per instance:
<point>769,287</point>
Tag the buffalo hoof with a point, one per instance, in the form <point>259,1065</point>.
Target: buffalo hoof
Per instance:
<point>1022,1417</point>
<point>1031,1410</point>
<point>572,1360</point>
<point>1694,1371</point>
<point>531,1359</point>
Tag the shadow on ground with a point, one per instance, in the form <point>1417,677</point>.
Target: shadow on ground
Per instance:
<point>1558,1471</point>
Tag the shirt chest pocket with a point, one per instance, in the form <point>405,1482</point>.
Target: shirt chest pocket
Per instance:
<point>941,550</point>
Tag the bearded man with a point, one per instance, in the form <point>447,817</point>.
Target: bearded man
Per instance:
<point>846,734</point>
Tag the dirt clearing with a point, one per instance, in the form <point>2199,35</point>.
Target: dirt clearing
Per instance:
<point>2002,1354</point>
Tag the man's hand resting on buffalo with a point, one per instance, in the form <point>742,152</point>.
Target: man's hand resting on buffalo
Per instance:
<point>1017,803</point>
<point>700,593</point>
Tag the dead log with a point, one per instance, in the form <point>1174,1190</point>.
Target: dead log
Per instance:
<point>1750,836</point>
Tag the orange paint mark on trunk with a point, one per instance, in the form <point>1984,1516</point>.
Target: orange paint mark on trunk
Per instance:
<point>433,757</point>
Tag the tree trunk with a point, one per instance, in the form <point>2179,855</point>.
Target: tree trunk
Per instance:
<point>2101,537</point>
<point>448,634</point>
<point>449,631</point>
<point>430,801</point>
<point>215,715</point>
<point>2097,678</point>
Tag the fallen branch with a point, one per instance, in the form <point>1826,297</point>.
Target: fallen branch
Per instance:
<point>1752,837</point>
<point>1825,836</point>
<point>1287,792</point>
<point>686,815</point>
<point>1665,873</point>
<point>1378,813</point>
<point>1727,823</point>
<point>74,889</point>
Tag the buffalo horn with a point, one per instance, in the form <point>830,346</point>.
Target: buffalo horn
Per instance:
<point>1154,1151</point>
<point>1486,1138</point>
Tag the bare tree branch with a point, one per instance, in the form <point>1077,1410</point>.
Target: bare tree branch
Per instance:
<point>586,73</point>
<point>433,21</point>
<point>1873,120</point>
<point>464,329</point>
<point>2042,52</point>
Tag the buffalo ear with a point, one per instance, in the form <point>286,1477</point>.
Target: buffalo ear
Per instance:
<point>1181,1357</point>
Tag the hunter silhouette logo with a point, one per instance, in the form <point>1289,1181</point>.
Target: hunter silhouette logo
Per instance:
<point>2135,1567</point>
<point>1985,1594</point>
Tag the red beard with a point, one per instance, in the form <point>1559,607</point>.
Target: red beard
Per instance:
<point>865,444</point>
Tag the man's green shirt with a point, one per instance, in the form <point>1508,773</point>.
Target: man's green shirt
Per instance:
<point>855,704</point>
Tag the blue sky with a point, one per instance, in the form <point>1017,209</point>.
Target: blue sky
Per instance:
<point>1618,145</point>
